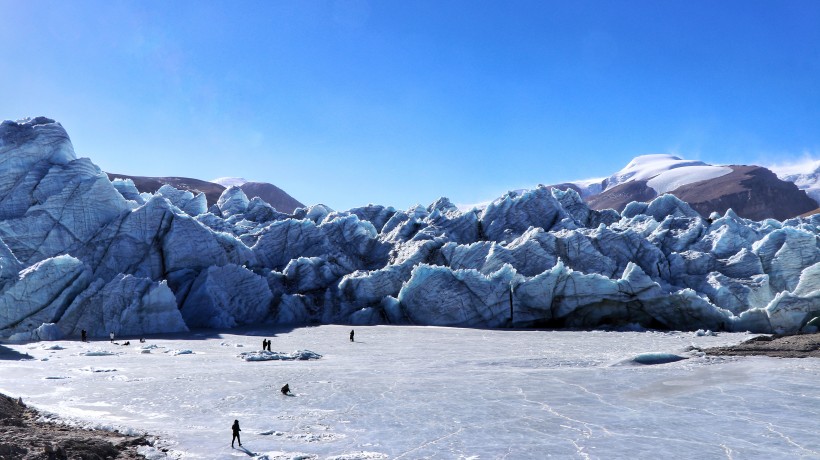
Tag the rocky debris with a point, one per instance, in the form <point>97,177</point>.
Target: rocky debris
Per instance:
<point>777,346</point>
<point>25,436</point>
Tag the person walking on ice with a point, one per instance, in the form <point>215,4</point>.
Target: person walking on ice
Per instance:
<point>351,335</point>
<point>236,431</point>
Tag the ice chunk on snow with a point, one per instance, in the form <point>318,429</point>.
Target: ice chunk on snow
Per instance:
<point>98,352</point>
<point>656,358</point>
<point>362,455</point>
<point>151,453</point>
<point>180,352</point>
<point>48,331</point>
<point>280,455</point>
<point>301,355</point>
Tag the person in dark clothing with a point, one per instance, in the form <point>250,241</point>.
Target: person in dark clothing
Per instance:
<point>351,335</point>
<point>269,345</point>
<point>264,344</point>
<point>286,389</point>
<point>236,431</point>
<point>83,335</point>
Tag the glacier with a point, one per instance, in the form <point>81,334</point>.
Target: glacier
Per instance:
<point>78,251</point>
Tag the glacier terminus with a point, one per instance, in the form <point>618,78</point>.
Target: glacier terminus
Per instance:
<point>80,252</point>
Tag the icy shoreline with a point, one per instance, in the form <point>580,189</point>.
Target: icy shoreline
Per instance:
<point>423,391</point>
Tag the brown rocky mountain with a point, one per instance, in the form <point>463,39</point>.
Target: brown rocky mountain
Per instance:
<point>752,192</point>
<point>619,196</point>
<point>270,193</point>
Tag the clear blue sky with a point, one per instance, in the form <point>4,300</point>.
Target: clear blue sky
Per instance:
<point>400,102</point>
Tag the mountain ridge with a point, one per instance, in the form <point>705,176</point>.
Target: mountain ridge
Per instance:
<point>753,192</point>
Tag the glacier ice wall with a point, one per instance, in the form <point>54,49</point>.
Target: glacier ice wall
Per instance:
<point>80,252</point>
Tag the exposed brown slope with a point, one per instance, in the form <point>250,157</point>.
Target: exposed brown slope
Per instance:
<point>752,192</point>
<point>621,195</point>
<point>272,195</point>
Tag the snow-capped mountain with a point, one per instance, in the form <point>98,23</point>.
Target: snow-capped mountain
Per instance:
<point>79,251</point>
<point>661,172</point>
<point>664,173</point>
<point>750,191</point>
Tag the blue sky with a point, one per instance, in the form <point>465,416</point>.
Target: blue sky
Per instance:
<point>400,102</point>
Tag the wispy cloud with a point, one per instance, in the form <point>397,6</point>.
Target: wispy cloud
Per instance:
<point>807,163</point>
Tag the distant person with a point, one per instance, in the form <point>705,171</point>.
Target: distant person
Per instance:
<point>351,335</point>
<point>286,390</point>
<point>112,337</point>
<point>83,335</point>
<point>269,344</point>
<point>264,344</point>
<point>236,431</point>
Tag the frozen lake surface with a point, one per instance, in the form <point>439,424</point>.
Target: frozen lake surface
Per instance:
<point>430,392</point>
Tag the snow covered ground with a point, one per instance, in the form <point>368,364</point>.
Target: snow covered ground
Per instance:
<point>430,392</point>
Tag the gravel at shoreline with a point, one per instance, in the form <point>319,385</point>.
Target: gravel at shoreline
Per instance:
<point>24,435</point>
<point>776,346</point>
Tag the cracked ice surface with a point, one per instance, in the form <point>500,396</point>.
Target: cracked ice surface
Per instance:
<point>404,392</point>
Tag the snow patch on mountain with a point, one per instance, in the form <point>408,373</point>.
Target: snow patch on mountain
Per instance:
<point>589,187</point>
<point>230,181</point>
<point>665,172</point>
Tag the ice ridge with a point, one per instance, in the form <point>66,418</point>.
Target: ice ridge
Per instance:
<point>78,252</point>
